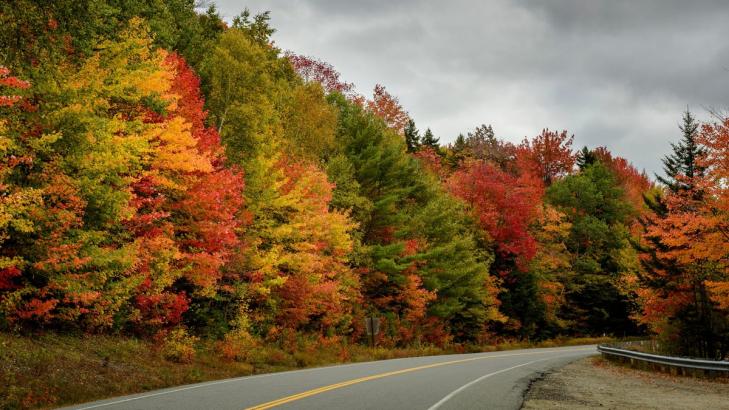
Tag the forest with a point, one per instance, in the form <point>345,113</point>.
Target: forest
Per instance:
<point>171,176</point>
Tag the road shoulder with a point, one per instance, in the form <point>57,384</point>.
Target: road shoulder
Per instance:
<point>595,383</point>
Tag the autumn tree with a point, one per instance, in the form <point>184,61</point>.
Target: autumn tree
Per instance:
<point>124,166</point>
<point>551,268</point>
<point>482,144</point>
<point>685,250</point>
<point>388,108</point>
<point>504,206</point>
<point>313,70</point>
<point>297,268</point>
<point>43,34</point>
<point>715,137</point>
<point>548,155</point>
<point>633,183</point>
<point>295,265</point>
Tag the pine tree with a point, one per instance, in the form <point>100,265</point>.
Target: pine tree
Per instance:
<point>594,203</point>
<point>682,162</point>
<point>674,294</point>
<point>585,158</point>
<point>430,140</point>
<point>458,151</point>
<point>412,136</point>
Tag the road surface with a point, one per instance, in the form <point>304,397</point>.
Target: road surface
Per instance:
<point>494,380</point>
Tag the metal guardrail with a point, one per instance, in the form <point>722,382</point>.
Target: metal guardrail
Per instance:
<point>679,362</point>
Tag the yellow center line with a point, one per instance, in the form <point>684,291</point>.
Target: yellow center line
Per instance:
<point>319,390</point>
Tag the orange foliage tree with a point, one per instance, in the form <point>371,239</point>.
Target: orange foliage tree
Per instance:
<point>387,107</point>
<point>684,298</point>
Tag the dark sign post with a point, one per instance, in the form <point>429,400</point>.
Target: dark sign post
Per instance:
<point>372,325</point>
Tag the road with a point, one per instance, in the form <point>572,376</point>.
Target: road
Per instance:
<point>494,380</point>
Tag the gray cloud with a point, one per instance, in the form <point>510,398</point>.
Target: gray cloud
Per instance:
<point>615,73</point>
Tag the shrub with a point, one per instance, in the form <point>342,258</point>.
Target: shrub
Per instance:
<point>177,345</point>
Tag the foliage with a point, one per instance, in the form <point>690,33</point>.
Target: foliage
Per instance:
<point>595,206</point>
<point>547,156</point>
<point>685,248</point>
<point>126,129</point>
<point>313,70</point>
<point>122,163</point>
<point>684,160</point>
<point>388,108</point>
<point>413,234</point>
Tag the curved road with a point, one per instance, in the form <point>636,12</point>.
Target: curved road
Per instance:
<point>494,380</point>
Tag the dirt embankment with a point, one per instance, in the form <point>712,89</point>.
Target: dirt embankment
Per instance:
<point>595,383</point>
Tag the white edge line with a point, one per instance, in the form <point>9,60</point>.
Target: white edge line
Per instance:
<point>199,385</point>
<point>469,384</point>
<point>258,376</point>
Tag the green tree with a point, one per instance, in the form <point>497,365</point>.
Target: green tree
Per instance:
<point>681,165</point>
<point>36,35</point>
<point>457,151</point>
<point>430,140</point>
<point>585,158</point>
<point>412,136</point>
<point>595,206</point>
<point>414,233</point>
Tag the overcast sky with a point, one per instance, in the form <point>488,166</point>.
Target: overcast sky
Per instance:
<point>614,73</point>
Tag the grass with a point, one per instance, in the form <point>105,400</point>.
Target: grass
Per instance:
<point>50,370</point>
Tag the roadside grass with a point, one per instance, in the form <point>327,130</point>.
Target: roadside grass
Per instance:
<point>50,370</point>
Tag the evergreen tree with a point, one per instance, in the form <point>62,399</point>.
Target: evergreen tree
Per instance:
<point>412,136</point>
<point>585,158</point>
<point>483,144</point>
<point>458,151</point>
<point>682,161</point>
<point>695,322</point>
<point>596,207</point>
<point>419,247</point>
<point>430,140</point>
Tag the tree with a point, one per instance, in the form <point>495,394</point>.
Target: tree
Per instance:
<point>683,160</point>
<point>311,69</point>
<point>388,108</point>
<point>416,240</point>
<point>412,136</point>
<point>548,155</point>
<point>595,206</point>
<point>309,123</point>
<point>430,140</point>
<point>585,157</point>
<point>297,264</point>
<point>552,269</point>
<point>715,137</point>
<point>138,215</point>
<point>457,151</point>
<point>685,251</point>
<point>634,183</point>
<point>504,206</point>
<point>482,144</point>
<point>294,269</point>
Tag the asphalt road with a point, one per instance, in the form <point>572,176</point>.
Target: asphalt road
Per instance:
<point>467,381</point>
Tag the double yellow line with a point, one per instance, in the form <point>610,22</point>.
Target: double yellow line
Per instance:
<point>323,389</point>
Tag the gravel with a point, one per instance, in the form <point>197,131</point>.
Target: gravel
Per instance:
<point>595,383</point>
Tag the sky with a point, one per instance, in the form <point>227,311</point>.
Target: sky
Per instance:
<point>613,73</point>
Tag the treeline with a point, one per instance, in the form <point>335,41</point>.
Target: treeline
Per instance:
<point>168,175</point>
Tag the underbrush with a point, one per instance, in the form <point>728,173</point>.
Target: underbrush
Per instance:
<point>50,370</point>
